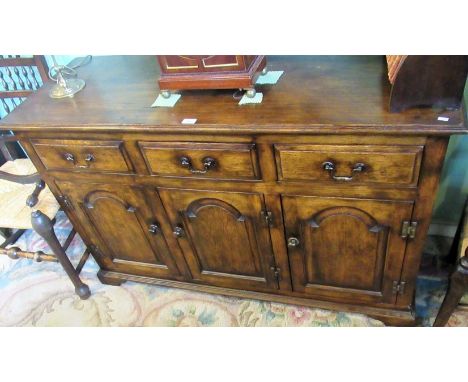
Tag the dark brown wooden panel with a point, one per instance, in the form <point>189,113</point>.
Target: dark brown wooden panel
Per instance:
<point>179,63</point>
<point>120,222</point>
<point>226,62</point>
<point>223,237</point>
<point>349,248</point>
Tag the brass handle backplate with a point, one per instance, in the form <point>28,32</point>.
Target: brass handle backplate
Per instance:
<point>208,164</point>
<point>331,168</point>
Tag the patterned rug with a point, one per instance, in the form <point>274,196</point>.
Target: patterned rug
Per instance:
<point>33,294</point>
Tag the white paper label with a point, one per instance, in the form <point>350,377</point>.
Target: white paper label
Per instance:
<point>189,121</point>
<point>443,119</point>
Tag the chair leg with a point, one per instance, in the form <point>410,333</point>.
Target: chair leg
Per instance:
<point>457,288</point>
<point>11,238</point>
<point>44,227</point>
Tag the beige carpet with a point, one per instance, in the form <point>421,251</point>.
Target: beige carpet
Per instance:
<point>34,294</point>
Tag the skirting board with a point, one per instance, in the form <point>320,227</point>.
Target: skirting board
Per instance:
<point>390,317</point>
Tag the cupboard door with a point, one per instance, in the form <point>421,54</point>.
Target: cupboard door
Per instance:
<point>120,222</point>
<point>345,248</point>
<point>223,237</point>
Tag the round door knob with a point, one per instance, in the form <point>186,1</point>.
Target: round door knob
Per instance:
<point>293,242</point>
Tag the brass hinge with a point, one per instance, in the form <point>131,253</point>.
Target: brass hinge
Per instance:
<point>276,273</point>
<point>65,202</point>
<point>398,287</point>
<point>267,217</point>
<point>408,229</point>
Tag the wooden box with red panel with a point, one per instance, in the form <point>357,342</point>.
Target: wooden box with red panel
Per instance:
<point>209,72</point>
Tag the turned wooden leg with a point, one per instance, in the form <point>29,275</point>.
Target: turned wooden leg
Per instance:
<point>457,288</point>
<point>44,227</point>
<point>34,197</point>
<point>105,279</point>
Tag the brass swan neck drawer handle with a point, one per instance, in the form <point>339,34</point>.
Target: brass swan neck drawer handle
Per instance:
<point>208,164</point>
<point>331,168</point>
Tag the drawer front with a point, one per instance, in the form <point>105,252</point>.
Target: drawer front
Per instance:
<point>201,160</point>
<point>363,164</point>
<point>83,155</point>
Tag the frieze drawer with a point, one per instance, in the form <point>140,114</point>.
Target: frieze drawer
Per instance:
<point>83,155</point>
<point>363,164</point>
<point>201,160</point>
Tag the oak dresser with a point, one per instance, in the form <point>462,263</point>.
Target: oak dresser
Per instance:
<point>318,196</point>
